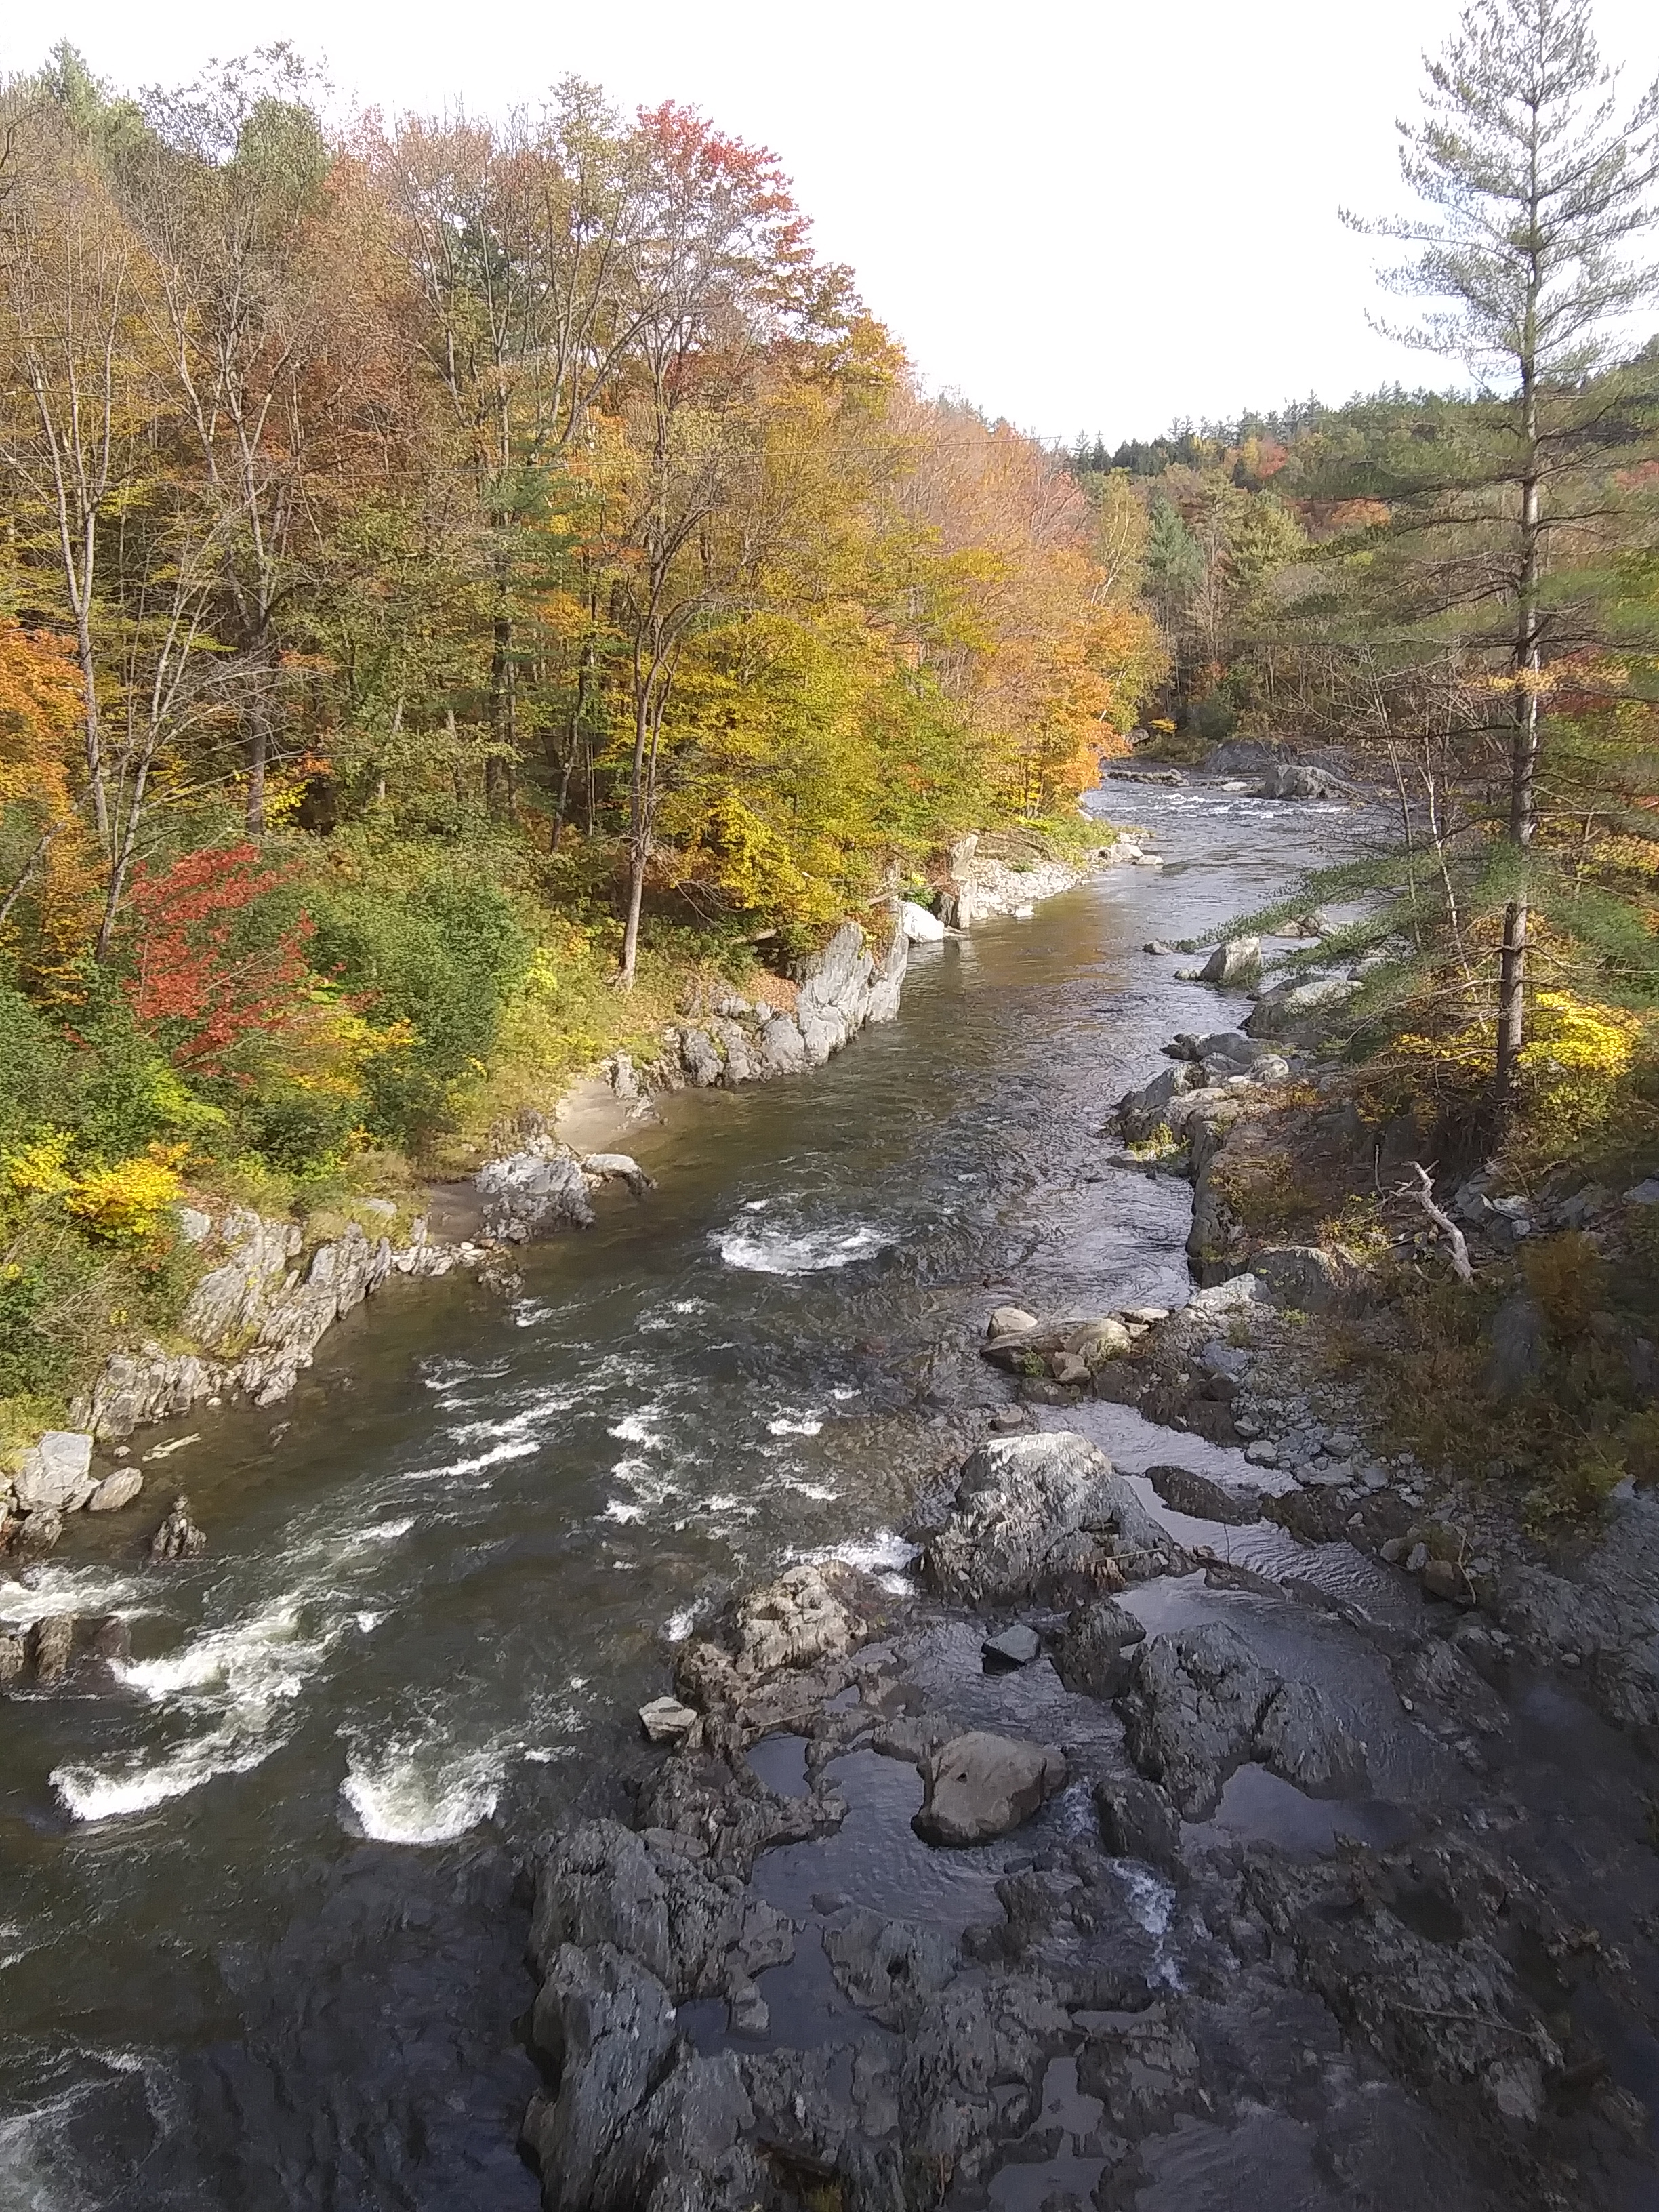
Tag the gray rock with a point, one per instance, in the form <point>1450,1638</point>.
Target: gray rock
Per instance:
<point>112,1640</point>
<point>178,1537</point>
<point>1645,1193</point>
<point>1137,1821</point>
<point>1234,965</point>
<point>51,1644</point>
<point>781,1049</point>
<point>699,1931</point>
<point>701,1063</point>
<point>1308,1277</point>
<point>1517,1347</point>
<point>56,1472</point>
<point>792,1622</point>
<point>1218,1357</point>
<point>887,1965</point>
<point>1035,1510</point>
<point>1206,1499</point>
<point>618,1166</point>
<point>1010,1321</point>
<point>1289,1008</point>
<point>1301,1739</point>
<point>42,1529</point>
<point>605,2026</point>
<point>665,1720</point>
<point>1140,1113</point>
<point>532,1192</point>
<point>116,1491</point>
<point>1091,1652</point>
<point>1300,780</point>
<point>230,1302</point>
<point>980,1786</point>
<point>12,1655</point>
<point>1013,1647</point>
<point>920,927</point>
<point>1194,1700</point>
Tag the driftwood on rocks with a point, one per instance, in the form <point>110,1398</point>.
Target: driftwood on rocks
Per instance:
<point>1423,1191</point>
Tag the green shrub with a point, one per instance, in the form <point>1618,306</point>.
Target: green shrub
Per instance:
<point>444,957</point>
<point>34,1068</point>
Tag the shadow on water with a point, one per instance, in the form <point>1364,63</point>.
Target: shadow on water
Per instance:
<point>256,1920</point>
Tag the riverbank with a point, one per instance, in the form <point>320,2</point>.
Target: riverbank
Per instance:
<point>266,1291</point>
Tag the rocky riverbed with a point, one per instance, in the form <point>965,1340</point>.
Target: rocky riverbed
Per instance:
<point>1023,1812</point>
<point>1111,1858</point>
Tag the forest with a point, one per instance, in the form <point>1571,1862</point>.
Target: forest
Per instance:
<point>458,581</point>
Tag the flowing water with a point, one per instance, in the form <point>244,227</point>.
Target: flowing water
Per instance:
<point>259,1940</point>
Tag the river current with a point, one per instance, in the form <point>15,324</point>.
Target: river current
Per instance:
<point>259,1945</point>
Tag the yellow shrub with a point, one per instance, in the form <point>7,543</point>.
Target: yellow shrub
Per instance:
<point>126,1204</point>
<point>37,1170</point>
<point>1572,1063</point>
<point>1570,1066</point>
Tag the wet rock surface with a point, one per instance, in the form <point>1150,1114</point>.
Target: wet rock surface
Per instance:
<point>1029,1932</point>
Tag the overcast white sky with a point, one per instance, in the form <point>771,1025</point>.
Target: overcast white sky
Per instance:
<point>1099,216</point>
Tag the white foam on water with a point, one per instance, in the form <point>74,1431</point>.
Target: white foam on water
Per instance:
<point>369,1622</point>
<point>776,1252</point>
<point>618,1509</point>
<point>885,1552</point>
<point>382,1532</point>
<point>63,1589</point>
<point>420,1793</point>
<point>817,1492</point>
<point>678,1626</point>
<point>244,1680</point>
<point>841,1394</point>
<point>634,1428</point>
<point>509,1448</point>
<point>785,1426</point>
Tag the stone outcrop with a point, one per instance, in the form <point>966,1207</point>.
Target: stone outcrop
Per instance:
<point>257,1318</point>
<point>981,882</point>
<point>1198,1706</point>
<point>1043,1515</point>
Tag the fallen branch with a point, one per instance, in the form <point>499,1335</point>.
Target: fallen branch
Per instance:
<point>1423,1194</point>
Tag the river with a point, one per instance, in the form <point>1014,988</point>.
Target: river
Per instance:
<point>260,1944</point>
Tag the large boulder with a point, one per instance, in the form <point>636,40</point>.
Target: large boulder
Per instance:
<point>606,2028</point>
<point>56,1473</point>
<point>700,1932</point>
<point>1091,1653</point>
<point>1140,1113</point>
<point>1042,1513</point>
<point>1300,780</point>
<point>1290,1009</point>
<point>918,926</point>
<point>783,1050</point>
<point>980,1786</point>
<point>116,1491</point>
<point>530,1193</point>
<point>1234,965</point>
<point>1204,1498</point>
<point>1195,1698</point>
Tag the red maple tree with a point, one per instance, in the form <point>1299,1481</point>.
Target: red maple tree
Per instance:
<point>192,986</point>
